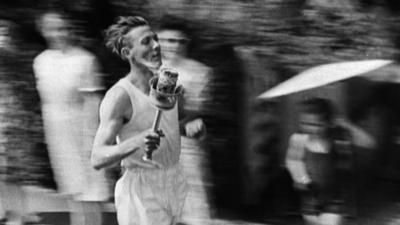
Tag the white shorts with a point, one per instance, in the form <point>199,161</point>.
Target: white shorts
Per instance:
<point>150,197</point>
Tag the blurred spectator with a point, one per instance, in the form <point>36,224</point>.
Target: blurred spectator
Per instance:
<point>174,37</point>
<point>312,160</point>
<point>70,88</point>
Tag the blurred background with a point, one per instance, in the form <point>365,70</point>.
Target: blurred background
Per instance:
<point>251,45</point>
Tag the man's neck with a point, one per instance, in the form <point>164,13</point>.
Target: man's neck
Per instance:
<point>140,76</point>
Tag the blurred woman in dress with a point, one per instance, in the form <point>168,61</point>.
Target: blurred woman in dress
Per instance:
<point>70,87</point>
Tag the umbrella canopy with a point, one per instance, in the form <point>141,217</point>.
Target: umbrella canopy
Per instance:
<point>323,75</point>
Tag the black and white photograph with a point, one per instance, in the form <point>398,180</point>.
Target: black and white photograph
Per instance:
<point>199,112</point>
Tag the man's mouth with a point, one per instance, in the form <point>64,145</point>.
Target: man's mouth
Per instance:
<point>156,56</point>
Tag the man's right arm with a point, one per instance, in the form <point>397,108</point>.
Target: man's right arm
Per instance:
<point>113,112</point>
<point>105,152</point>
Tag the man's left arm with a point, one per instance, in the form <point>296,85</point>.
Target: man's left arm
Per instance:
<point>191,123</point>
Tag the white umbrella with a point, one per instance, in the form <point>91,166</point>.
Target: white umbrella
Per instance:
<point>325,74</point>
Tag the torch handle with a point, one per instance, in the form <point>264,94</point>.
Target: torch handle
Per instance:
<point>156,123</point>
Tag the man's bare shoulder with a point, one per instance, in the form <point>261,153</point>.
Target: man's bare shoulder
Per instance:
<point>116,102</point>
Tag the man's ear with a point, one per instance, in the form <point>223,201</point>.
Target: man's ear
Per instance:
<point>125,52</point>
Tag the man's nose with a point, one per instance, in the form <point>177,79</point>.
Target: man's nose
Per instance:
<point>156,45</point>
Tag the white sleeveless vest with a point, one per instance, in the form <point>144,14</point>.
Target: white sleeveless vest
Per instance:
<point>143,113</point>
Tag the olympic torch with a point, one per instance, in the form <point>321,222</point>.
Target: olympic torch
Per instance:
<point>164,93</point>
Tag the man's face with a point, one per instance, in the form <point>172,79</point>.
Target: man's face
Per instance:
<point>312,124</point>
<point>143,47</point>
<point>173,43</point>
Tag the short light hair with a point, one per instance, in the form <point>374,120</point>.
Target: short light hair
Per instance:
<point>115,34</point>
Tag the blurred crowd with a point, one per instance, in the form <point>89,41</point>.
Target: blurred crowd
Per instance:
<point>309,157</point>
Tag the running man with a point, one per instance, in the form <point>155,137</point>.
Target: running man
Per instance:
<point>147,193</point>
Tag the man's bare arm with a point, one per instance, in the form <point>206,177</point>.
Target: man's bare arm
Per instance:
<point>190,123</point>
<point>113,112</point>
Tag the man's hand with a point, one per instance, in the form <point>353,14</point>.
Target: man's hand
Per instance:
<point>151,140</point>
<point>195,128</point>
